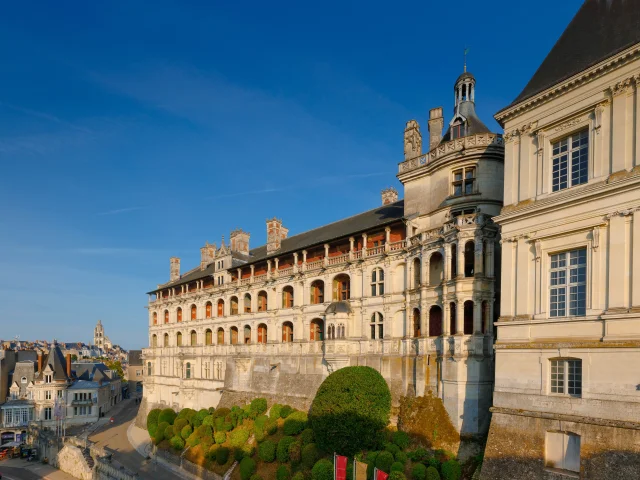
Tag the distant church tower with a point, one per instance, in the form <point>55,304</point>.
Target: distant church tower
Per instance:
<point>99,339</point>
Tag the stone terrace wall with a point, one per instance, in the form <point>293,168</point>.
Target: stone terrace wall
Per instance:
<point>71,461</point>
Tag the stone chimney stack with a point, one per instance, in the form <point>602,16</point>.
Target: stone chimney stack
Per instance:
<point>436,124</point>
<point>389,195</point>
<point>39,362</point>
<point>69,365</point>
<point>240,241</point>
<point>174,268</point>
<point>207,255</point>
<point>412,140</point>
<point>275,234</point>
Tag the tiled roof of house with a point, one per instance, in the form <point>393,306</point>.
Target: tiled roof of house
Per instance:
<point>57,362</point>
<point>93,372</point>
<point>377,217</point>
<point>600,29</point>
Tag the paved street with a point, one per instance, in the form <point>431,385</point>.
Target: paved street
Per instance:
<point>22,470</point>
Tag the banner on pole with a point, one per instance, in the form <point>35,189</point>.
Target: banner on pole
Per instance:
<point>339,467</point>
<point>379,475</point>
<point>359,470</point>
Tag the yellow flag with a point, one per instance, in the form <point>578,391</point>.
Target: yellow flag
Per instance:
<point>359,470</point>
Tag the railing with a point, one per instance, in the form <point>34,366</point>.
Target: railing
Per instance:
<point>395,246</point>
<point>339,259</point>
<point>286,271</point>
<point>373,251</point>
<point>245,281</point>
<point>260,278</point>
<point>314,265</point>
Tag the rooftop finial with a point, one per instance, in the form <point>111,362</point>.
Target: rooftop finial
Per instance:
<point>466,50</point>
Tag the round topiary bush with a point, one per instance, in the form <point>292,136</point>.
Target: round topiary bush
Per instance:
<point>167,415</point>
<point>384,460</point>
<point>310,455</point>
<point>259,435</point>
<point>247,467</point>
<point>274,411</point>
<point>451,470</point>
<point>152,416</point>
<point>401,457</point>
<point>432,474</point>
<point>322,470</point>
<point>285,411</point>
<point>152,428</point>
<point>193,440</point>
<point>177,443</point>
<point>282,452</point>
<point>256,476</point>
<point>270,427</point>
<point>220,437</point>
<point>267,451</point>
<point>186,431</point>
<point>391,447</point>
<point>202,413</point>
<point>259,405</point>
<point>227,427</point>
<point>295,453</point>
<point>238,437</point>
<point>419,472</point>
<point>168,432</point>
<point>159,436</point>
<point>306,436</point>
<point>298,476</point>
<point>260,421</point>
<point>350,410</point>
<point>397,476</point>
<point>401,439</point>
<point>222,455</point>
<point>418,454</point>
<point>179,424</point>
<point>295,423</point>
<point>208,420</point>
<point>397,467</point>
<point>238,454</point>
<point>283,473</point>
<point>221,412</point>
<point>204,431</point>
<point>433,462</point>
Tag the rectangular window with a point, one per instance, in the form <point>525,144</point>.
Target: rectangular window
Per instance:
<point>47,395</point>
<point>568,281</point>
<point>47,413</point>
<point>464,181</point>
<point>566,377</point>
<point>570,161</point>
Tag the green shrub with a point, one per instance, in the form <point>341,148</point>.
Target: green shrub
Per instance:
<point>298,476</point>
<point>451,470</point>
<point>259,435</point>
<point>401,439</point>
<point>391,447</point>
<point>267,451</point>
<point>152,428</point>
<point>218,423</point>
<point>397,467</point>
<point>247,467</point>
<point>191,415</point>
<point>274,411</point>
<point>177,443</point>
<point>248,450</point>
<point>396,475</point>
<point>193,440</point>
<point>372,456</point>
<point>401,457</point>
<point>322,470</point>
<point>350,410</point>
<point>283,472</point>
<point>152,416</point>
<point>162,426</point>
<point>211,410</point>
<point>221,412</point>
<point>186,413</point>
<point>167,415</point>
<point>195,421</point>
<point>238,454</point>
<point>282,452</point>
<point>419,472</point>
<point>222,455</point>
<point>295,423</point>
<point>227,427</point>
<point>310,455</point>
<point>220,437</point>
<point>259,405</point>
<point>285,411</point>
<point>206,442</point>
<point>210,454</point>
<point>384,461</point>
<point>208,420</point>
<point>271,427</point>
<point>431,474</point>
<point>255,476</point>
<point>157,440</point>
<point>295,452</point>
<point>418,455</point>
<point>186,431</point>
<point>238,437</point>
<point>202,413</point>
<point>168,432</point>
<point>260,421</point>
<point>204,431</point>
<point>179,424</point>
<point>433,462</point>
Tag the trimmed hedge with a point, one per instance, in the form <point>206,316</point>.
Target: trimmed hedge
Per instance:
<point>238,437</point>
<point>259,405</point>
<point>267,451</point>
<point>285,411</point>
<point>397,476</point>
<point>221,412</point>
<point>419,472</point>
<point>159,436</point>
<point>310,455</point>
<point>350,410</point>
<point>432,474</point>
<point>220,437</point>
<point>204,431</point>
<point>179,424</point>
<point>247,467</point>
<point>283,473</point>
<point>168,432</point>
<point>282,452</point>
<point>401,439</point>
<point>177,443</point>
<point>260,421</point>
<point>306,436</point>
<point>295,423</point>
<point>193,440</point>
<point>275,410</point>
<point>208,420</point>
<point>391,447</point>
<point>397,467</point>
<point>167,415</point>
<point>384,460</point>
<point>322,470</point>
<point>152,416</point>
<point>186,431</point>
<point>295,452</point>
<point>222,455</point>
<point>401,457</point>
<point>259,435</point>
<point>152,428</point>
<point>451,470</point>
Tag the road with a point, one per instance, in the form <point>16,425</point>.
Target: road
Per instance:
<point>31,471</point>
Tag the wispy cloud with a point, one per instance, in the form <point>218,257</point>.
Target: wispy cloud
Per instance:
<point>122,210</point>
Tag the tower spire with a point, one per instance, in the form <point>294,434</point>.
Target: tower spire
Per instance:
<point>466,50</point>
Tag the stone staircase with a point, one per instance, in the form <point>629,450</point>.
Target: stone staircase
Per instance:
<point>87,456</point>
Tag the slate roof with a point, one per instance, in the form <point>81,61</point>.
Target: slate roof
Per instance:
<point>473,125</point>
<point>57,362</point>
<point>93,372</point>
<point>600,29</point>
<point>135,357</point>
<point>377,217</point>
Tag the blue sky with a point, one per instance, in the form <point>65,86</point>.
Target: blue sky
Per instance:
<point>131,131</point>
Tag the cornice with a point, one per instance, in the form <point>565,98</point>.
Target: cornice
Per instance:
<point>571,83</point>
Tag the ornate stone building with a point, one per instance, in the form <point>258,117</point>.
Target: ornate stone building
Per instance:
<point>408,288</point>
<point>567,388</point>
<point>100,340</point>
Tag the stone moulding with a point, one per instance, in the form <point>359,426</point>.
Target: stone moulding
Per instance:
<point>555,345</point>
<point>567,418</point>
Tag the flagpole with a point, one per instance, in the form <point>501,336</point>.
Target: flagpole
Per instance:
<point>334,465</point>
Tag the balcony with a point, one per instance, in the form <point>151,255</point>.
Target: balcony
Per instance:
<point>82,402</point>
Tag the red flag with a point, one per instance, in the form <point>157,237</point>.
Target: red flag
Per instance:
<point>380,475</point>
<point>340,466</point>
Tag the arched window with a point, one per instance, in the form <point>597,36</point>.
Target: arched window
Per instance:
<point>454,260</point>
<point>287,297</point>
<point>262,301</point>
<point>188,370</point>
<point>377,326</point>
<point>179,339</point>
<point>331,331</point>
<point>468,317</point>
<point>453,314</point>
<point>208,310</point>
<point>154,341</point>
<point>341,331</point>
<point>436,269</point>
<point>166,316</point>
<point>485,317</point>
<point>377,282</point>
<point>221,307</point>
<point>166,339</point>
<point>234,335</point>
<point>262,333</point>
<point>148,369</point>
<point>435,321</point>
<point>317,330</point>
<point>155,318</point>
<point>194,312</point>
<point>179,314</point>
<point>469,258</point>
<point>247,303</point>
<point>287,332</point>
<point>417,273</point>
<point>194,338</point>
<point>208,337</point>
<point>246,337</point>
<point>220,336</point>
<point>317,292</point>
<point>416,323</point>
<point>234,305</point>
<point>341,288</point>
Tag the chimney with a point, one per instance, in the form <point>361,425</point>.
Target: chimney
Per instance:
<point>69,365</point>
<point>207,255</point>
<point>174,268</point>
<point>436,123</point>
<point>389,195</point>
<point>240,241</point>
<point>39,362</point>
<point>275,234</point>
<point>412,140</point>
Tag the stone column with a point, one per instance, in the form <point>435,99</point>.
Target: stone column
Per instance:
<point>295,262</point>
<point>277,261</point>
<point>447,261</point>
<point>424,320</point>
<point>269,274</point>
<point>304,260</point>
<point>253,271</point>
<point>387,239</point>
<point>326,254</point>
<point>446,318</point>
<point>460,259</point>
<point>239,276</point>
<point>478,268</point>
<point>351,247</point>
<point>426,268</point>
<point>364,245</point>
<point>459,317</point>
<point>489,258</point>
<point>477,316</point>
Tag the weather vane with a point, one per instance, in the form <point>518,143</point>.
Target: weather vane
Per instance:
<point>466,51</point>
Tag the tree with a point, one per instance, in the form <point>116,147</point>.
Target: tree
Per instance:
<point>117,366</point>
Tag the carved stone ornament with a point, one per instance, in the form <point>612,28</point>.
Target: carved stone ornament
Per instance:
<point>566,125</point>
<point>596,238</point>
<point>622,87</point>
<point>621,213</point>
<point>412,140</point>
<point>597,115</point>
<point>538,245</point>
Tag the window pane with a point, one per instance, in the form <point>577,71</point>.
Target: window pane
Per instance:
<point>557,376</point>
<point>381,289</point>
<point>457,176</point>
<point>468,187</point>
<point>575,377</point>
<point>373,276</point>
<point>457,189</point>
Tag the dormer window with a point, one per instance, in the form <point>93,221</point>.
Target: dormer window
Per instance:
<point>47,378</point>
<point>464,180</point>
<point>457,130</point>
